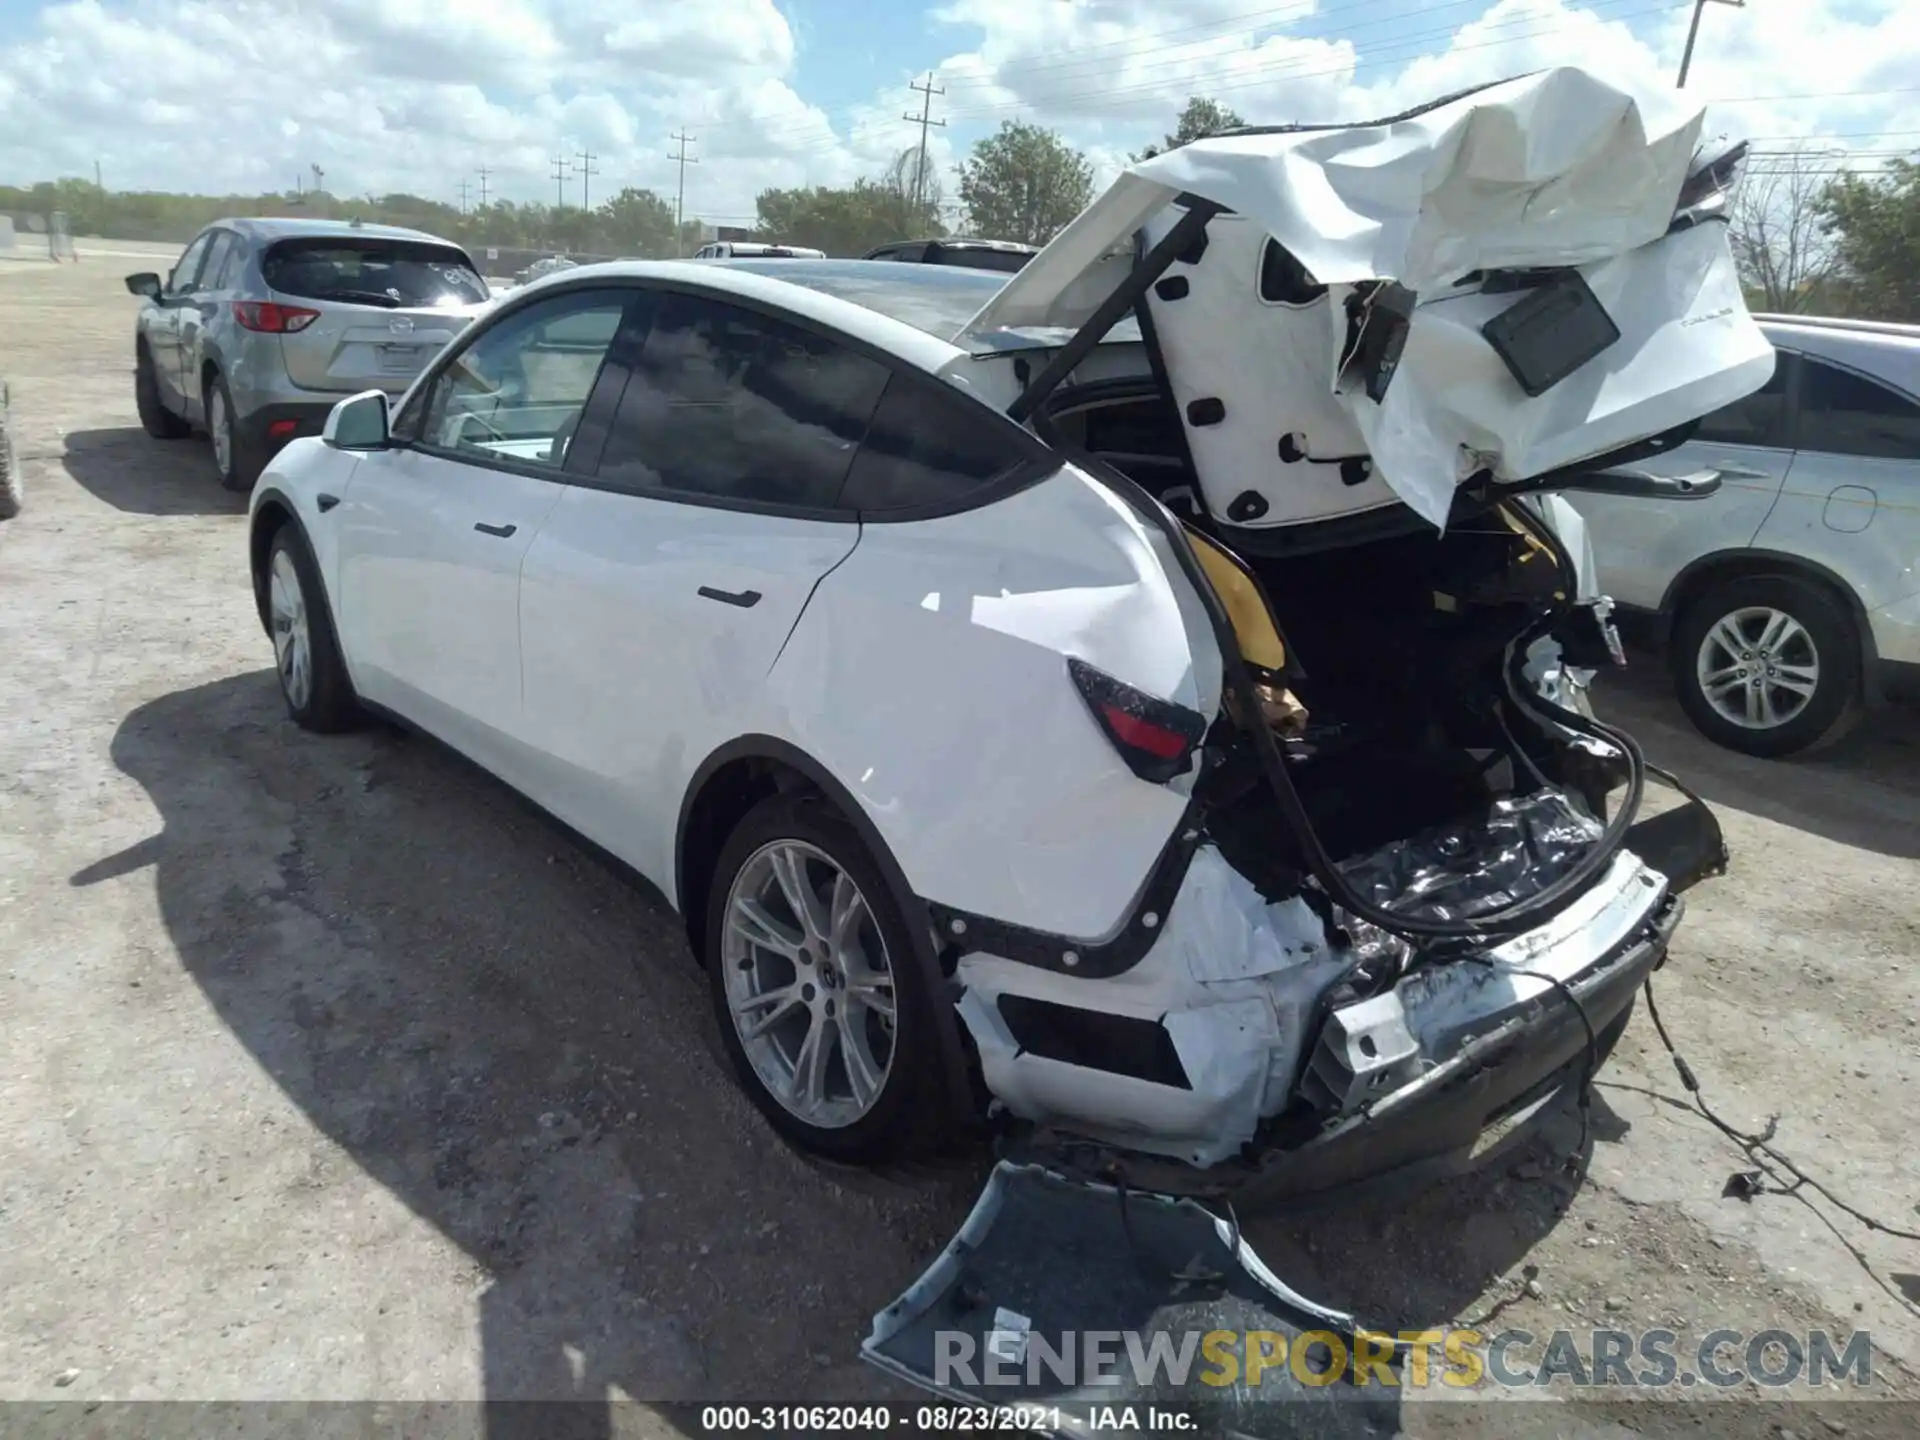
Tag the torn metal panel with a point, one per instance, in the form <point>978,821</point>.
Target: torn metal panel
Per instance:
<point>1234,981</point>
<point>1057,1292</point>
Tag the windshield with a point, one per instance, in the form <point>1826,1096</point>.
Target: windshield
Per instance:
<point>939,299</point>
<point>388,273</point>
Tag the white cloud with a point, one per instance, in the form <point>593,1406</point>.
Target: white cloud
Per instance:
<point>242,95</point>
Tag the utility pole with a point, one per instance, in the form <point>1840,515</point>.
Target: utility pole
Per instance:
<point>484,173</point>
<point>559,182</point>
<point>587,172</point>
<point>319,186</point>
<point>682,139</point>
<point>1693,33</point>
<point>98,184</point>
<point>465,185</point>
<point>923,120</point>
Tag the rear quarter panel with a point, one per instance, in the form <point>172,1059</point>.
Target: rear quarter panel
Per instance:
<point>929,674</point>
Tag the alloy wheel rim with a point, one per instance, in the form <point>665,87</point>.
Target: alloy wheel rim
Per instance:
<point>292,647</point>
<point>222,431</point>
<point>1758,667</point>
<point>809,984</point>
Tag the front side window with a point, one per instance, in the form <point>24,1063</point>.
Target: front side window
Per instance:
<point>180,281</point>
<point>1756,419</point>
<point>213,273</point>
<point>517,391</point>
<point>386,273</point>
<point>1847,414</point>
<point>727,403</point>
<point>930,448</point>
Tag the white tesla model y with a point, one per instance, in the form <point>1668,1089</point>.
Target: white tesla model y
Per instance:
<point>1141,697</point>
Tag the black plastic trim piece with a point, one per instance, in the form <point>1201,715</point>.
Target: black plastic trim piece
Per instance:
<point>745,599</point>
<point>1174,287</point>
<point>965,933</point>
<point>1095,1040</point>
<point>1207,410</point>
<point>1247,505</point>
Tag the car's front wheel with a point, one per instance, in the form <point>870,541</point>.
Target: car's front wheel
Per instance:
<point>1768,665</point>
<point>313,678</point>
<point>813,979</point>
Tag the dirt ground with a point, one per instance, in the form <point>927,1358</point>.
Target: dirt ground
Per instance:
<point>330,1071</point>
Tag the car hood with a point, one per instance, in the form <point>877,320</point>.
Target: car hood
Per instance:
<point>1557,171</point>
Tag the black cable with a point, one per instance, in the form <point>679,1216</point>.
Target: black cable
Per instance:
<point>1591,1069</point>
<point>1239,683</point>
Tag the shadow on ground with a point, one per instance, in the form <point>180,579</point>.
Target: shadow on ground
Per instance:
<point>132,471</point>
<point>514,1040</point>
<point>1863,791</point>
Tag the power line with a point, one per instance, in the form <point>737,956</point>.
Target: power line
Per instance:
<point>587,172</point>
<point>559,177</point>
<point>926,93</point>
<point>465,185</point>
<point>682,139</point>
<point>484,173</point>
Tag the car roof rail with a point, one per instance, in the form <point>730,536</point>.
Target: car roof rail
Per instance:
<point>1835,322</point>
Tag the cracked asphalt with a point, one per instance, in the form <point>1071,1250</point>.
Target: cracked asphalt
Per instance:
<point>330,1071</point>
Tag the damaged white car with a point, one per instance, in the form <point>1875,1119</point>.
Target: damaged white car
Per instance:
<point>1143,702</point>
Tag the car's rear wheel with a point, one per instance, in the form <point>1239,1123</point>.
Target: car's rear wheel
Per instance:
<point>234,456</point>
<point>313,678</point>
<point>158,421</point>
<point>817,994</point>
<point>1768,665</point>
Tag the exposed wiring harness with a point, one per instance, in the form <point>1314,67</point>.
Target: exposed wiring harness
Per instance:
<point>1772,1164</point>
<point>1239,687</point>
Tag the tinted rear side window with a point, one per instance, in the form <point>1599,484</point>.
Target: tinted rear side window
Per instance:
<point>1006,262</point>
<point>1846,414</point>
<point>390,273</point>
<point>727,403</point>
<point>926,448</point>
<point>1756,419</point>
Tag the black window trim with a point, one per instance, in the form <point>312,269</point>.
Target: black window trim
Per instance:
<point>423,387</point>
<point>1805,360</point>
<point>1040,461</point>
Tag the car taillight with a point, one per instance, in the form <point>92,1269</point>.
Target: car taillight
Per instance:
<point>272,317</point>
<point>1155,737</point>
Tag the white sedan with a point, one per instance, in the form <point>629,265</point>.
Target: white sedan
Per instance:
<point>921,639</point>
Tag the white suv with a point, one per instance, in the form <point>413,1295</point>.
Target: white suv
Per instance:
<point>1791,597</point>
<point>847,603</point>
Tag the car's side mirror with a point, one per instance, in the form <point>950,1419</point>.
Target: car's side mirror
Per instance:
<point>358,423</point>
<point>145,283</point>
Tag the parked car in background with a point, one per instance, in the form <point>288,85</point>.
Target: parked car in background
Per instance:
<point>755,250</point>
<point>263,324</point>
<point>1790,599</point>
<point>1006,256</point>
<point>552,265</point>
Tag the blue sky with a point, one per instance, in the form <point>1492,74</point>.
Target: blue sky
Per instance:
<point>238,95</point>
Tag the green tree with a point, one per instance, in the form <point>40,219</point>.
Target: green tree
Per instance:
<point>1875,225</point>
<point>638,223</point>
<point>1024,183</point>
<point>1201,117</point>
<point>850,221</point>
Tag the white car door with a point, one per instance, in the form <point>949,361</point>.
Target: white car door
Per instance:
<point>1641,544</point>
<point>658,595</point>
<point>433,531</point>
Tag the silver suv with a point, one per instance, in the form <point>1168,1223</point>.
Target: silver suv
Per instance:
<point>264,324</point>
<point>1790,597</point>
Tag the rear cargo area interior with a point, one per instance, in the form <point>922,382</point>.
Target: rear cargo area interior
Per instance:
<point>1399,639</point>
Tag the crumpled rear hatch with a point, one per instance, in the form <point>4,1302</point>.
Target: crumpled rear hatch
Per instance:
<point>1503,282</point>
<point>1061,1293</point>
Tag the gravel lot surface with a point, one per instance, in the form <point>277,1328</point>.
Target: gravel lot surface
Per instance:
<point>330,1071</point>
